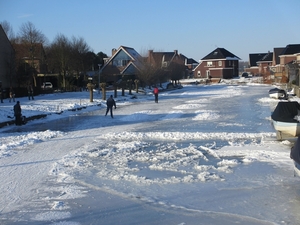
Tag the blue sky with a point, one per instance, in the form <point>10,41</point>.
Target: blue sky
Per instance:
<point>193,27</point>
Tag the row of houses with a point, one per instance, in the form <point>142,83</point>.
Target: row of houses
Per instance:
<point>281,65</point>
<point>220,63</point>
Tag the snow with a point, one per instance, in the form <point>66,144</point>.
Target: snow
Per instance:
<point>181,161</point>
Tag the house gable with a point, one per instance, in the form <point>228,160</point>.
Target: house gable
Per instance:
<point>121,59</point>
<point>124,61</point>
<point>161,59</point>
<point>130,69</point>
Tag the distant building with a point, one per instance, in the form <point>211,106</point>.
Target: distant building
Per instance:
<point>165,59</point>
<point>220,63</point>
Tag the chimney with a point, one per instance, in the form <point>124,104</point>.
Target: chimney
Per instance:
<point>150,54</point>
<point>113,51</point>
<point>176,52</point>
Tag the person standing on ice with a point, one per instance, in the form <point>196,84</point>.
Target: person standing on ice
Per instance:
<point>155,91</point>
<point>17,113</point>
<point>11,94</point>
<point>30,92</point>
<point>110,102</point>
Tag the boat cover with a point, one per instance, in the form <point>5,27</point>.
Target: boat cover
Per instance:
<point>286,111</point>
<point>276,90</point>
<point>295,151</point>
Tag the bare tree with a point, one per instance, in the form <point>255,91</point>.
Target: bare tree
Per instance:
<point>80,49</point>
<point>149,74</point>
<point>28,34</point>
<point>8,30</point>
<point>176,71</point>
<point>59,56</point>
<point>31,38</point>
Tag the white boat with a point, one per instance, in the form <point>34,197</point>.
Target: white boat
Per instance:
<point>291,129</point>
<point>283,119</point>
<point>277,93</point>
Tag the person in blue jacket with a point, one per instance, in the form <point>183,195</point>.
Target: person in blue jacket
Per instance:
<point>110,102</point>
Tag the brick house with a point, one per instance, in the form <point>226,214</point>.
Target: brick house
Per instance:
<point>253,66</point>
<point>276,69</point>
<point>7,63</point>
<point>284,64</point>
<point>220,63</point>
<point>288,62</point>
<point>264,64</point>
<point>165,59</point>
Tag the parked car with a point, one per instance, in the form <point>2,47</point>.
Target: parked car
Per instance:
<point>47,85</point>
<point>245,75</point>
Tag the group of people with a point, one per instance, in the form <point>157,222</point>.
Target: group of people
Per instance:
<point>12,93</point>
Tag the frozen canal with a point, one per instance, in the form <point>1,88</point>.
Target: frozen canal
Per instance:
<point>202,155</point>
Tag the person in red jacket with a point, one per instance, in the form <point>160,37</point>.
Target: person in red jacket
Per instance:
<point>155,91</point>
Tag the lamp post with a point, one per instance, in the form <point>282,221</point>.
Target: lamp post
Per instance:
<point>99,79</point>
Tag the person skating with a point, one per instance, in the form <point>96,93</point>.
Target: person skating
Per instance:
<point>155,91</point>
<point>18,113</point>
<point>110,102</point>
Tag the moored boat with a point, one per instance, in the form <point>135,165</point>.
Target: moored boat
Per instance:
<point>278,93</point>
<point>283,119</point>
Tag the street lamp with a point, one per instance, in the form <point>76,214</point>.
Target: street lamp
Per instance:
<point>99,78</point>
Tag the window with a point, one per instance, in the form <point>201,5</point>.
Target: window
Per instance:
<point>199,74</point>
<point>229,63</point>
<point>125,62</point>
<point>120,62</point>
<point>209,63</point>
<point>220,63</point>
